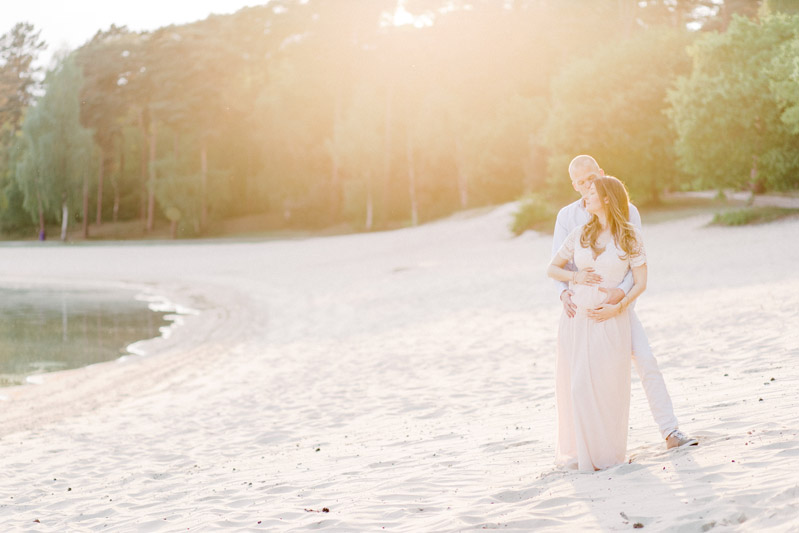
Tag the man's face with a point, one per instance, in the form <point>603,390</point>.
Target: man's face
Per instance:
<point>582,180</point>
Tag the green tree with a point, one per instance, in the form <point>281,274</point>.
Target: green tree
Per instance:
<point>264,111</point>
<point>784,82</point>
<point>780,6</point>
<point>19,49</point>
<point>611,104</point>
<point>194,67</point>
<point>19,81</point>
<point>728,120</point>
<point>58,150</point>
<point>103,60</point>
<point>727,10</point>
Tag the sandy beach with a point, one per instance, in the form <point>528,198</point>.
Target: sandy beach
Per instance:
<point>404,381</point>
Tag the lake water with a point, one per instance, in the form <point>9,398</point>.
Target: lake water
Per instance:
<point>45,330</point>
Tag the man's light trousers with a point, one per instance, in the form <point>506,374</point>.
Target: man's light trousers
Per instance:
<point>651,379</point>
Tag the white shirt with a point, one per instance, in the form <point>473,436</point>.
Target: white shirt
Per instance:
<point>574,215</point>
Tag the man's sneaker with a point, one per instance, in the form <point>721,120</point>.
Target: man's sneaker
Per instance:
<point>678,439</point>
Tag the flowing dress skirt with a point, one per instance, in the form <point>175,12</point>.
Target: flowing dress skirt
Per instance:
<point>592,386</point>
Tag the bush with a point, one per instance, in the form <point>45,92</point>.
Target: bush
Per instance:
<point>753,215</point>
<point>534,213</point>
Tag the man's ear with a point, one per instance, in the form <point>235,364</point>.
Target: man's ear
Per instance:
<point>601,172</point>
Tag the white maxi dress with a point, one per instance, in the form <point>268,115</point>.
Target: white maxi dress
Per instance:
<point>593,367</point>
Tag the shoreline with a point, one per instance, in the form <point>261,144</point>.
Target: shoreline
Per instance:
<point>174,317</point>
<point>85,388</point>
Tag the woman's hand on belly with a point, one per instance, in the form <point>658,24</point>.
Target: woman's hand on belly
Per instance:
<point>604,311</point>
<point>587,276</point>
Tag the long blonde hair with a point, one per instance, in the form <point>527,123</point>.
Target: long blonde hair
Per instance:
<point>616,202</point>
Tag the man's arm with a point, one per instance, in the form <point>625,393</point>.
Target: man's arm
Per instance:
<point>561,233</point>
<point>558,237</point>
<point>635,217</point>
<point>625,286</point>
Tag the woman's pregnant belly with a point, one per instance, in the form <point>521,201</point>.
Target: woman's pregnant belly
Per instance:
<point>587,297</point>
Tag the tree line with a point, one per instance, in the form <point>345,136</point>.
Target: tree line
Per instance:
<point>324,112</point>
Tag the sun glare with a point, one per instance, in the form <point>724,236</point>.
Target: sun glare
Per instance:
<point>403,17</point>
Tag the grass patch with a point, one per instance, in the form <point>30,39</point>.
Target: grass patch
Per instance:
<point>753,215</point>
<point>671,209</point>
<point>534,214</point>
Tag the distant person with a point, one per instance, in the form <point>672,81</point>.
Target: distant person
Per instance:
<point>583,171</point>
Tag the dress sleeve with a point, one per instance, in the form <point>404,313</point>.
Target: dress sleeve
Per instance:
<point>566,250</point>
<point>638,259</point>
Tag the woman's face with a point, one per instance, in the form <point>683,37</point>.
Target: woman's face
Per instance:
<point>592,202</point>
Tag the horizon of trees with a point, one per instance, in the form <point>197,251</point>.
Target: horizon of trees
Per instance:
<point>324,112</point>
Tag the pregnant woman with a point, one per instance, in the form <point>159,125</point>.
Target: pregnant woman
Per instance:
<point>594,348</point>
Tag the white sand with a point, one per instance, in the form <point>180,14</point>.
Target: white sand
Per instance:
<point>404,380</point>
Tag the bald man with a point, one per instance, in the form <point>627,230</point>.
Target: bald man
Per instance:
<point>583,169</point>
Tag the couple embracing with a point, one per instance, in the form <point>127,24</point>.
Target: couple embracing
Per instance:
<point>599,263</point>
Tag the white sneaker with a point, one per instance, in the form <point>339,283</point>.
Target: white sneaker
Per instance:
<point>678,439</point>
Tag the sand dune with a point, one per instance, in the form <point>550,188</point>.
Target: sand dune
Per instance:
<point>404,380</point>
